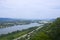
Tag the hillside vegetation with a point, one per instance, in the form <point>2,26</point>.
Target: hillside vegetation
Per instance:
<point>50,31</point>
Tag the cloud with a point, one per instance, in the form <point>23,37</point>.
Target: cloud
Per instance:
<point>30,8</point>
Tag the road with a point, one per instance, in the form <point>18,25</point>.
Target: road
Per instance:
<point>28,34</point>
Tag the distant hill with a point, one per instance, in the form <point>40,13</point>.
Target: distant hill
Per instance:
<point>5,19</point>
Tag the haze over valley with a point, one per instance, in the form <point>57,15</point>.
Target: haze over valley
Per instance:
<point>29,19</point>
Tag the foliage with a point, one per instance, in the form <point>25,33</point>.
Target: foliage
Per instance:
<point>48,32</point>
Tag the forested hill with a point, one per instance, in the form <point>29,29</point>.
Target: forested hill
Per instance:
<point>48,32</point>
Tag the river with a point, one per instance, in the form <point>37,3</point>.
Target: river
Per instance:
<point>17,27</point>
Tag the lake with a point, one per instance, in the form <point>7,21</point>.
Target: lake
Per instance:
<point>17,27</point>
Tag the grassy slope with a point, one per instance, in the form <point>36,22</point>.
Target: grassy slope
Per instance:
<point>48,32</point>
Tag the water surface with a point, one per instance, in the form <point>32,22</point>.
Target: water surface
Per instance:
<point>17,27</point>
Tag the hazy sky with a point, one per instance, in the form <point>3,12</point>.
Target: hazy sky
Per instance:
<point>32,9</point>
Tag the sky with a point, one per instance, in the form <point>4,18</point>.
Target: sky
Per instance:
<point>30,9</point>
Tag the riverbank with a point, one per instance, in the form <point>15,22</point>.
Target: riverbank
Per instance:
<point>17,27</point>
<point>8,24</point>
<point>16,34</point>
<point>28,35</point>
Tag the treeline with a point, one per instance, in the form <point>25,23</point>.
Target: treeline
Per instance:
<point>50,31</point>
<point>15,22</point>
